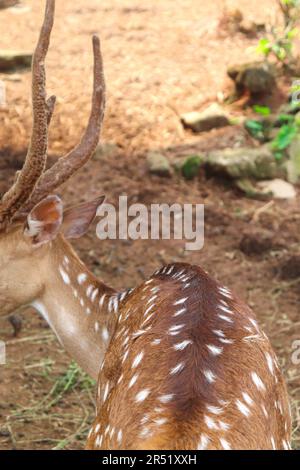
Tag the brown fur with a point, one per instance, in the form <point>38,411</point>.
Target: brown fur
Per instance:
<point>185,413</point>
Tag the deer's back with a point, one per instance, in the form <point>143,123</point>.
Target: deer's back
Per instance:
<point>187,368</point>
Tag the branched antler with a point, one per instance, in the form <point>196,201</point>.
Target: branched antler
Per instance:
<point>32,183</point>
<point>36,156</point>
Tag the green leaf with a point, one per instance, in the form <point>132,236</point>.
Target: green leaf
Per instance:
<point>293,33</point>
<point>255,128</point>
<point>262,110</point>
<point>264,47</point>
<point>284,137</point>
<point>191,166</point>
<point>279,51</point>
<point>285,118</point>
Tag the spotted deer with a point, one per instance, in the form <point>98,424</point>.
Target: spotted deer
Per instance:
<point>181,362</point>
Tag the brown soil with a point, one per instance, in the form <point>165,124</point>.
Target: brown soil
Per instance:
<point>161,59</point>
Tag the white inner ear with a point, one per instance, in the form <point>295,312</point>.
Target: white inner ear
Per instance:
<point>34,227</point>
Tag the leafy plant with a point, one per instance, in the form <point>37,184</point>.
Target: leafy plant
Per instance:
<point>284,138</point>
<point>190,167</point>
<point>280,43</point>
<point>263,129</point>
<point>255,128</point>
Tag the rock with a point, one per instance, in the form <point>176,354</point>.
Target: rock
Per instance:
<point>242,163</point>
<point>290,268</point>
<point>256,242</point>
<point>293,163</point>
<point>248,27</point>
<point>10,60</point>
<point>250,190</point>
<point>13,77</point>
<point>235,15</point>
<point>212,117</point>
<point>230,20</point>
<point>278,188</point>
<point>158,164</point>
<point>256,77</point>
<point>106,149</point>
<point>16,322</point>
<point>8,3</point>
<point>191,165</point>
<point>260,128</point>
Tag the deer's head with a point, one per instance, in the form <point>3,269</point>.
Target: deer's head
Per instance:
<point>32,218</point>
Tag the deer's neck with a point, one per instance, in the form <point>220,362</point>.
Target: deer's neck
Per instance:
<point>78,307</point>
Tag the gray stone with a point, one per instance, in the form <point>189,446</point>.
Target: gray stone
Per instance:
<point>278,188</point>
<point>158,164</point>
<point>8,3</point>
<point>255,77</point>
<point>293,163</point>
<point>11,60</point>
<point>212,117</point>
<point>242,163</point>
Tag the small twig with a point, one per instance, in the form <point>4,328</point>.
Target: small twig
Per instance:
<point>261,210</point>
<point>30,338</point>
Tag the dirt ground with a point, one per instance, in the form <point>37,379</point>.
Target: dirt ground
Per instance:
<point>161,59</point>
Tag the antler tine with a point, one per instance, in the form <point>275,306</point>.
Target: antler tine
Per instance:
<point>36,156</point>
<point>66,166</point>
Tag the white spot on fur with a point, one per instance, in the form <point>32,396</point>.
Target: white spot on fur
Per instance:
<point>98,441</point>
<point>214,409</point>
<point>89,290</point>
<point>119,436</point>
<point>223,426</point>
<point>166,398</point>
<point>94,294</point>
<point>142,395</point>
<point>81,278</point>
<point>177,368</point>
<point>176,328</point>
<point>105,334</point>
<point>137,359</point>
<point>179,312</point>
<point>101,301</point>
<point>156,342</point>
<point>210,376</point>
<point>223,317</point>
<point>270,363</point>
<point>181,301</point>
<point>226,340</point>
<point>243,408</point>
<point>210,422</point>
<point>64,275</point>
<point>273,443</point>
<point>247,398</point>
<point>225,444</point>
<point>133,380</point>
<point>215,350</point>
<point>219,333</point>
<point>257,381</point>
<point>106,390</point>
<point>182,345</point>
<point>203,443</point>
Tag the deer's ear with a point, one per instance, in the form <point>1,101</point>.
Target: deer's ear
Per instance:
<point>45,220</point>
<point>77,219</point>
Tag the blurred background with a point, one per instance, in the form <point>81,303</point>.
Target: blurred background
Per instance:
<point>202,107</point>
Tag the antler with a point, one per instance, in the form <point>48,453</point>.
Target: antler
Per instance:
<point>67,165</point>
<point>32,183</point>
<point>36,156</point>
